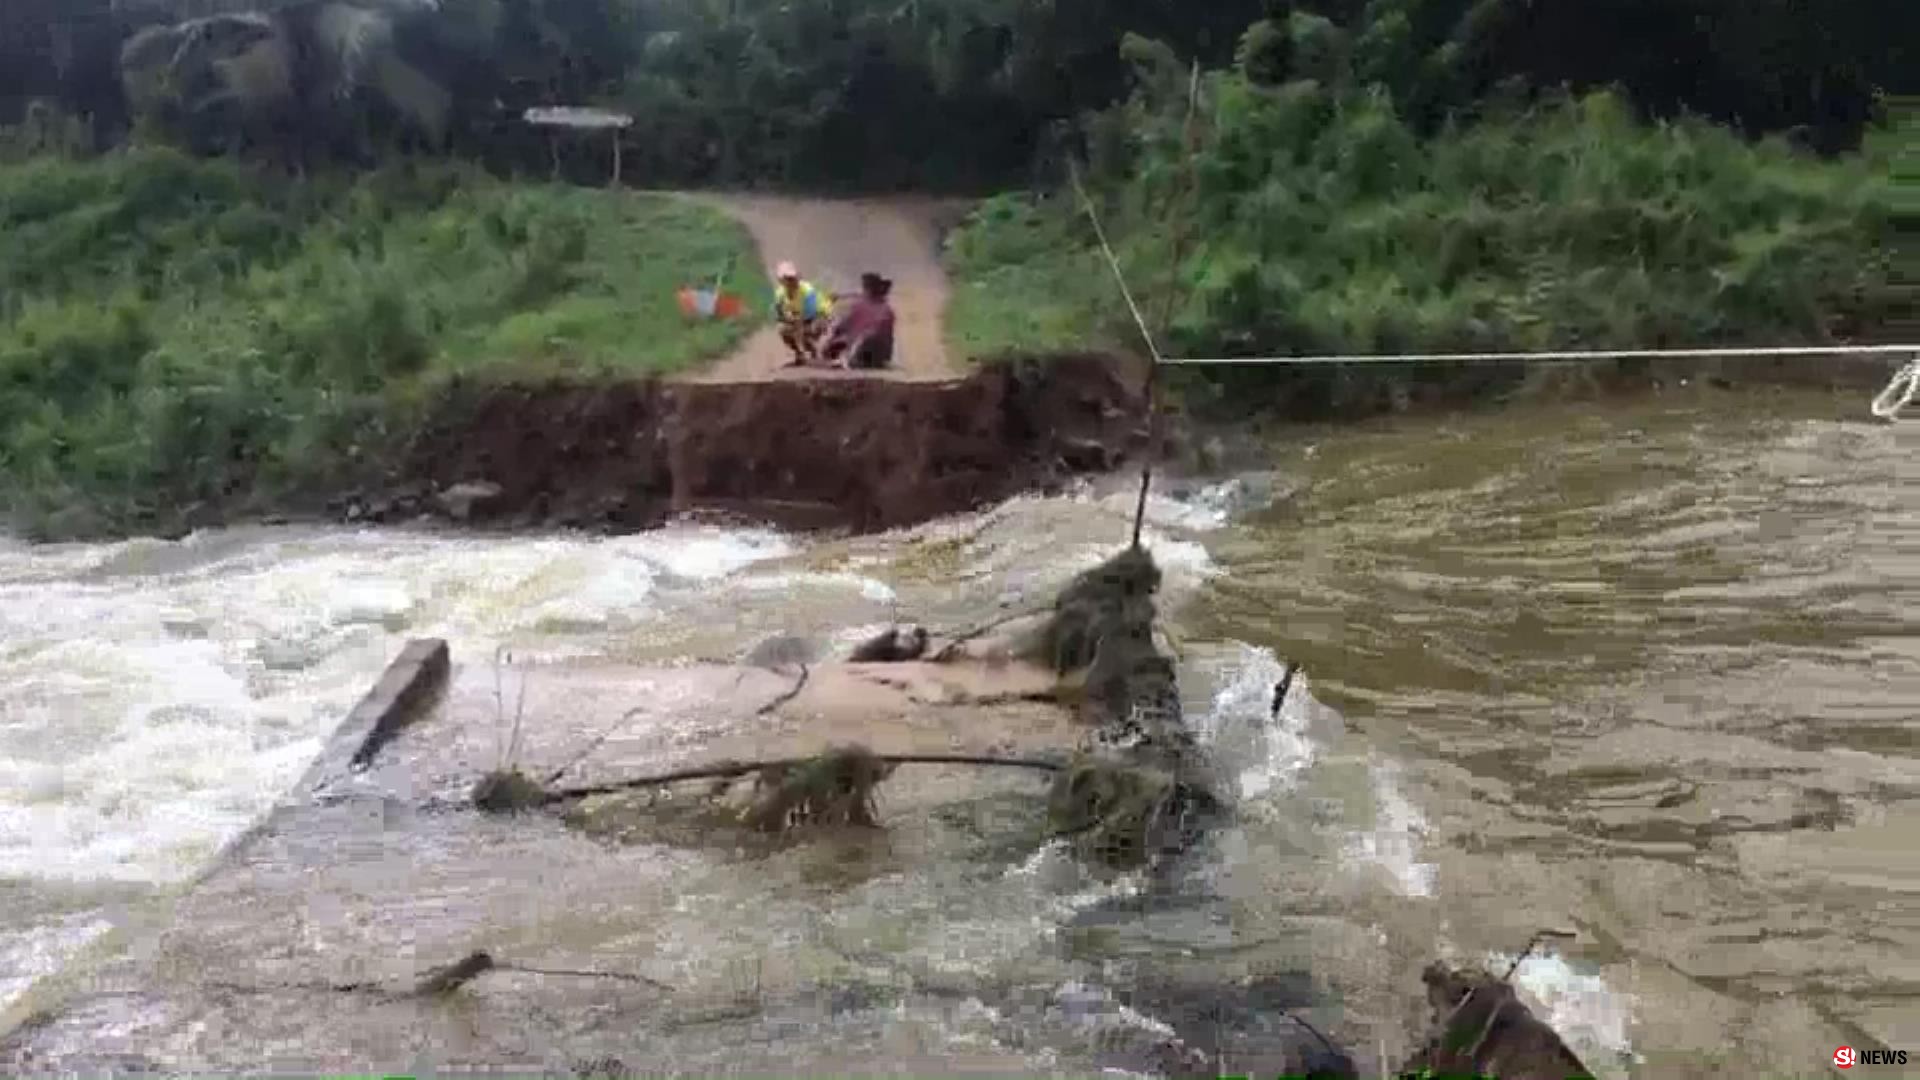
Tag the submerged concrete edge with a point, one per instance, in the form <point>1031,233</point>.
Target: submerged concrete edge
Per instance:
<point>410,682</point>
<point>415,676</point>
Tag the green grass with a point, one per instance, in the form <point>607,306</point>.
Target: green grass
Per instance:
<point>1320,223</point>
<point>175,332</point>
<point>1025,282</point>
<point>604,302</point>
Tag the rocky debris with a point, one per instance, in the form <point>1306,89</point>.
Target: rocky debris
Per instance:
<point>507,791</point>
<point>781,651</point>
<point>1251,1027</point>
<point>1140,792</point>
<point>450,977</point>
<point>1086,455</point>
<point>1178,1028</point>
<point>1482,1029</point>
<point>1102,637</point>
<point>459,501</point>
<point>1114,813</point>
<point>1114,598</point>
<point>892,646</point>
<point>834,789</point>
<point>404,502</point>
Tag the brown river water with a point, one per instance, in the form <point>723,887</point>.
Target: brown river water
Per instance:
<point>1645,670</point>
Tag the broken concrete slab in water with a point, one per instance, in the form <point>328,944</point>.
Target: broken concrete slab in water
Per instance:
<point>311,934</point>
<point>350,884</point>
<point>418,673</point>
<point>307,932</point>
<point>310,931</point>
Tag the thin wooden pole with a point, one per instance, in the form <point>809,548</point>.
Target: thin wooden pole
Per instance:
<point>1166,308</point>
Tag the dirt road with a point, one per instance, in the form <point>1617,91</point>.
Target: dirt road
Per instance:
<point>833,242</point>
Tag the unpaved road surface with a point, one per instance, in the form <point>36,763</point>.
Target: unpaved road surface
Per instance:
<point>833,242</point>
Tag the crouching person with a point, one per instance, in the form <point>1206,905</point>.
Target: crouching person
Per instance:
<point>863,338</point>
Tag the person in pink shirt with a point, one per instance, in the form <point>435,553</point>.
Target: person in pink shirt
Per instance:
<point>863,337</point>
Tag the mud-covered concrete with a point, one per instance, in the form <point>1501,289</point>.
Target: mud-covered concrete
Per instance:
<point>301,950</point>
<point>297,951</point>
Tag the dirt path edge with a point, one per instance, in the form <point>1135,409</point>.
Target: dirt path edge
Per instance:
<point>834,241</point>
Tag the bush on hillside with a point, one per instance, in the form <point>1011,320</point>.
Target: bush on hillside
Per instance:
<point>1320,222</point>
<point>177,331</point>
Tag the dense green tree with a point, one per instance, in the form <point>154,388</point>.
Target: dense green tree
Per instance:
<point>63,51</point>
<point>897,92</point>
<point>1761,65</point>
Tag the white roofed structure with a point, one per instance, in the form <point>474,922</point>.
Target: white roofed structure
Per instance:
<point>581,118</point>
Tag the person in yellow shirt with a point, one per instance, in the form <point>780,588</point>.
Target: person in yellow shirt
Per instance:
<point>803,313</point>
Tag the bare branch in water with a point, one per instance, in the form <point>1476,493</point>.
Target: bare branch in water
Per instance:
<point>736,769</point>
<point>619,975</point>
<point>952,647</point>
<point>799,685</point>
<point>598,741</point>
<point>440,980</point>
<point>507,734</point>
<point>447,979</point>
<point>1280,691</point>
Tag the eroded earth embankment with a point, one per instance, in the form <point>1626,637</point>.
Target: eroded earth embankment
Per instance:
<point>861,454</point>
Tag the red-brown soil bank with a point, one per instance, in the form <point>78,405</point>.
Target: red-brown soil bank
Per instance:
<point>862,454</point>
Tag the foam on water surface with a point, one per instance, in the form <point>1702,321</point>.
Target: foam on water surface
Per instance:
<point>707,553</point>
<point>147,716</point>
<point>1039,542</point>
<point>1271,758</point>
<point>1393,842</point>
<point>867,587</point>
<point>1271,754</point>
<point>1206,508</point>
<point>1590,1017</point>
<point>29,955</point>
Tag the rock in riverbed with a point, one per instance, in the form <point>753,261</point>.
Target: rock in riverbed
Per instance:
<point>459,501</point>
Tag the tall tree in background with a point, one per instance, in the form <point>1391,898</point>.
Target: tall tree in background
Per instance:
<point>1759,65</point>
<point>292,78</point>
<point>899,92</point>
<point>347,78</point>
<point>61,51</point>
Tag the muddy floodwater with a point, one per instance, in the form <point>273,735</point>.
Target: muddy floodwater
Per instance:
<point>1647,671</point>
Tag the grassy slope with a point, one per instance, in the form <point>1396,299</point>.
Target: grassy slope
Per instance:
<point>175,332</point>
<point>1322,224</point>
